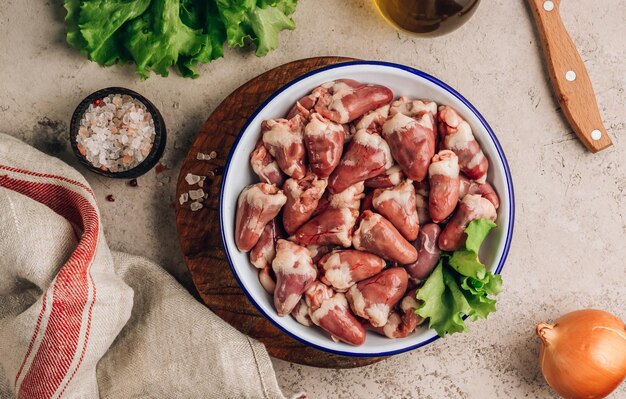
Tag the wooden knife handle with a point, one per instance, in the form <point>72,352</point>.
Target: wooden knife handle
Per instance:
<point>569,76</point>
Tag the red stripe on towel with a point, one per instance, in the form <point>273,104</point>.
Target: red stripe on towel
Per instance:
<point>70,294</point>
<point>47,175</point>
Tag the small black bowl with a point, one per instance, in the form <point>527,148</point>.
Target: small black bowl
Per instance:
<point>159,136</point>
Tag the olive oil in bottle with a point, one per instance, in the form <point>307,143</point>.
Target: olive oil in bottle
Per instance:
<point>427,17</point>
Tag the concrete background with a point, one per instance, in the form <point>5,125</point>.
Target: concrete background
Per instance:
<point>569,246</point>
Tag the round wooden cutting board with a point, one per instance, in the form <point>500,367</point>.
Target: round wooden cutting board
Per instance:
<point>199,232</point>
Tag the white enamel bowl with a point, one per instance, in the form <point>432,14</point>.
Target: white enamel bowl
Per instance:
<point>402,80</point>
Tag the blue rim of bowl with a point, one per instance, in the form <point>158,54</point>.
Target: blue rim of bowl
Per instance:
<point>424,75</point>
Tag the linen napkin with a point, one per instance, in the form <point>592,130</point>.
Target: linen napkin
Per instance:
<point>78,320</point>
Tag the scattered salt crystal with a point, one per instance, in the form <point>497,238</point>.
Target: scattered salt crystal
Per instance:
<point>196,194</point>
<point>184,197</point>
<point>201,183</point>
<point>192,179</point>
<point>206,157</point>
<point>195,206</point>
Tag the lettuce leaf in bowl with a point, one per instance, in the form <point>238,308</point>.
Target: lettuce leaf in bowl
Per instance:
<point>460,285</point>
<point>476,232</point>
<point>443,302</point>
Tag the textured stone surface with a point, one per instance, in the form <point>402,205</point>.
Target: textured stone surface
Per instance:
<point>568,251</point>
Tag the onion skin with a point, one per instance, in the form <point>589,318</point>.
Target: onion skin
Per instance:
<point>583,354</point>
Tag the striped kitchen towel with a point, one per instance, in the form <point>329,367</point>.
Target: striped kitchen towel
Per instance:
<point>80,321</point>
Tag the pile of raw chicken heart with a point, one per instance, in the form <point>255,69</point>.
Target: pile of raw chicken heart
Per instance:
<point>363,192</point>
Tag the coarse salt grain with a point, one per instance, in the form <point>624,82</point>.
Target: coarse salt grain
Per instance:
<point>192,179</point>
<point>206,157</point>
<point>196,194</point>
<point>184,197</point>
<point>195,206</point>
<point>116,133</point>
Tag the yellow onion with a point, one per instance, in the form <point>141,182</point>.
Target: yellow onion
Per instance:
<point>583,354</point>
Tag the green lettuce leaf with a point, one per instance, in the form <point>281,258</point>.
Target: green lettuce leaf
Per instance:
<point>476,233</point>
<point>158,38</point>
<point>73,35</point>
<point>202,14</point>
<point>191,13</point>
<point>259,21</point>
<point>266,24</point>
<point>466,263</point>
<point>100,22</point>
<point>460,286</point>
<point>156,34</point>
<point>288,7</point>
<point>491,284</point>
<point>443,302</point>
<point>480,306</point>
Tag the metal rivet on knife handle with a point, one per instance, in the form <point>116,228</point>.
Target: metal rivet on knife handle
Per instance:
<point>596,134</point>
<point>570,80</point>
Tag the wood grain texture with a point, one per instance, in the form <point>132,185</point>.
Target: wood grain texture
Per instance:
<point>199,232</point>
<point>576,96</point>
